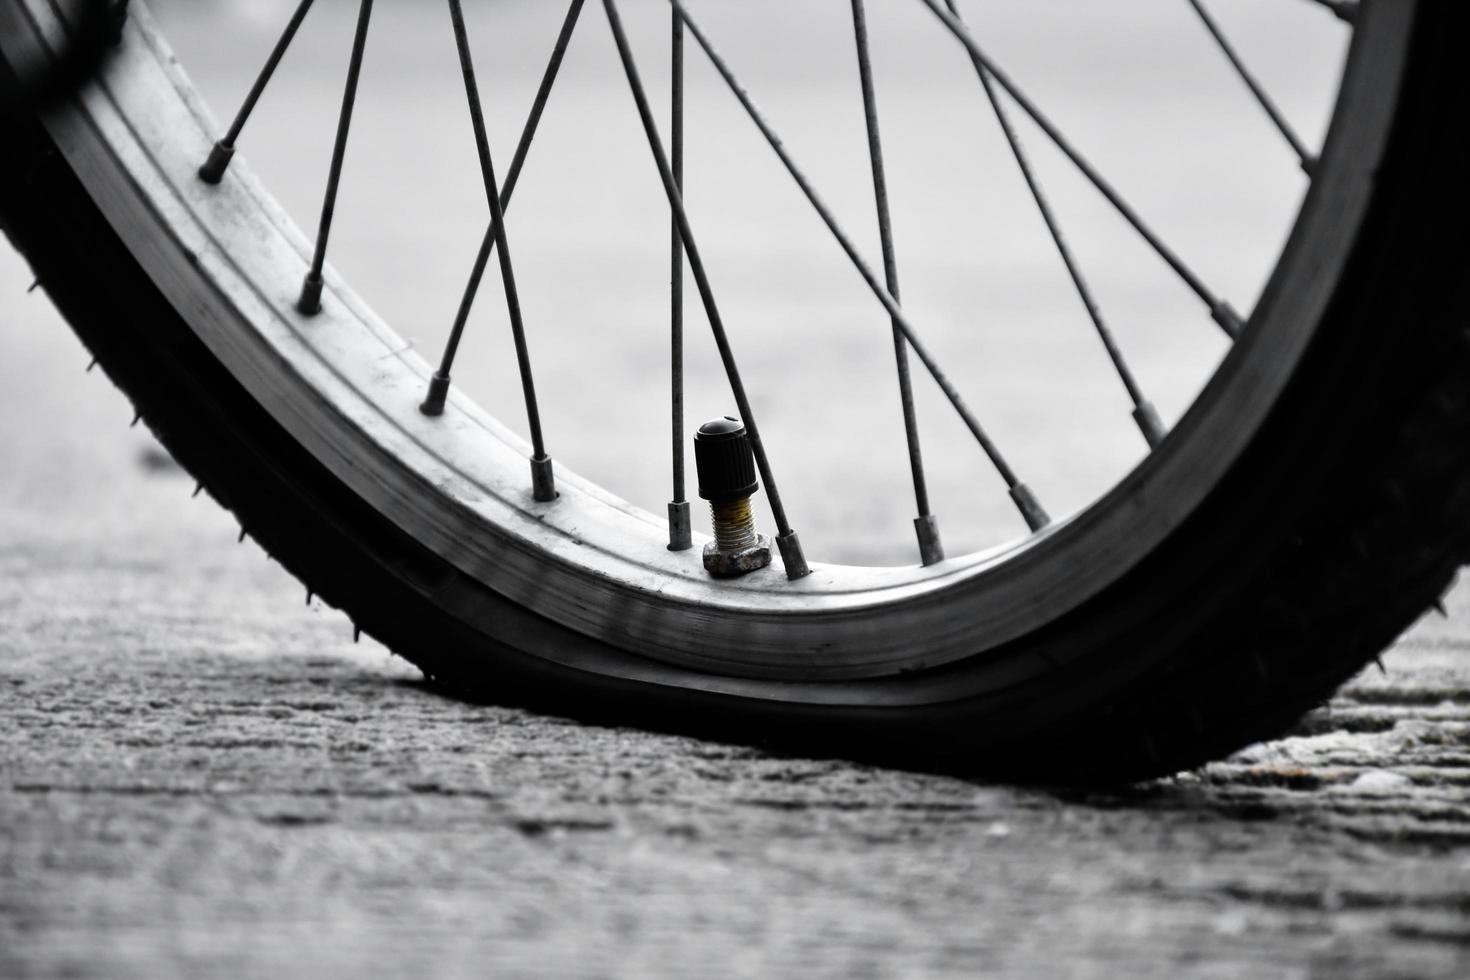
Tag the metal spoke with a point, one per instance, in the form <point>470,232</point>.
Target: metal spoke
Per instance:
<point>1220,311</point>
<point>433,403</point>
<point>542,481</point>
<point>1144,413</point>
<point>224,149</point>
<point>1307,159</point>
<point>1346,10</point>
<point>680,537</point>
<point>786,539</point>
<point>1024,499</point>
<point>926,527</point>
<point>310,301</point>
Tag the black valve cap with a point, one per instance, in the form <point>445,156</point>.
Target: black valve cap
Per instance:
<point>724,461</point>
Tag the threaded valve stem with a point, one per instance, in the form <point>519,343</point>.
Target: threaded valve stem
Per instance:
<point>726,467</point>
<point>734,523</point>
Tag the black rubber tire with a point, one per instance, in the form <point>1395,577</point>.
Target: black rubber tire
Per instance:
<point>1344,521</point>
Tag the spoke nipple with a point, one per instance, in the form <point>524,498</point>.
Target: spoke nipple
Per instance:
<point>213,169</point>
<point>1031,509</point>
<point>309,597</point>
<point>90,365</point>
<point>1149,422</point>
<point>35,285</point>
<point>680,534</point>
<point>433,403</point>
<point>931,551</point>
<point>310,303</point>
<point>197,488</point>
<point>1229,320</point>
<point>791,555</point>
<point>543,482</point>
<point>1309,166</point>
<point>137,417</point>
<point>726,467</point>
<point>241,538</point>
<point>356,633</point>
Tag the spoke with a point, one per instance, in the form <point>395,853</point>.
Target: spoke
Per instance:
<point>1220,311</point>
<point>1144,413</point>
<point>679,524</point>
<point>1346,10</point>
<point>439,384</point>
<point>931,550</point>
<point>1304,156</point>
<point>310,301</point>
<point>224,149</point>
<point>1025,501</point>
<point>786,540</point>
<point>543,485</point>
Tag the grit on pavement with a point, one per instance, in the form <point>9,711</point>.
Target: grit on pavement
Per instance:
<point>202,775</point>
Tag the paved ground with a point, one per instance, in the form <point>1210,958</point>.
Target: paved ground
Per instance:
<point>201,775</point>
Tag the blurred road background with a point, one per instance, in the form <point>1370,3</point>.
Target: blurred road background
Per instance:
<point>200,775</point>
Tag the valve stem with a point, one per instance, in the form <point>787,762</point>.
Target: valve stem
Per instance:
<point>734,523</point>
<point>726,467</point>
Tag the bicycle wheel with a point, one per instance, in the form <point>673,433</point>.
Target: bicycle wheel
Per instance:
<point>1307,506</point>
